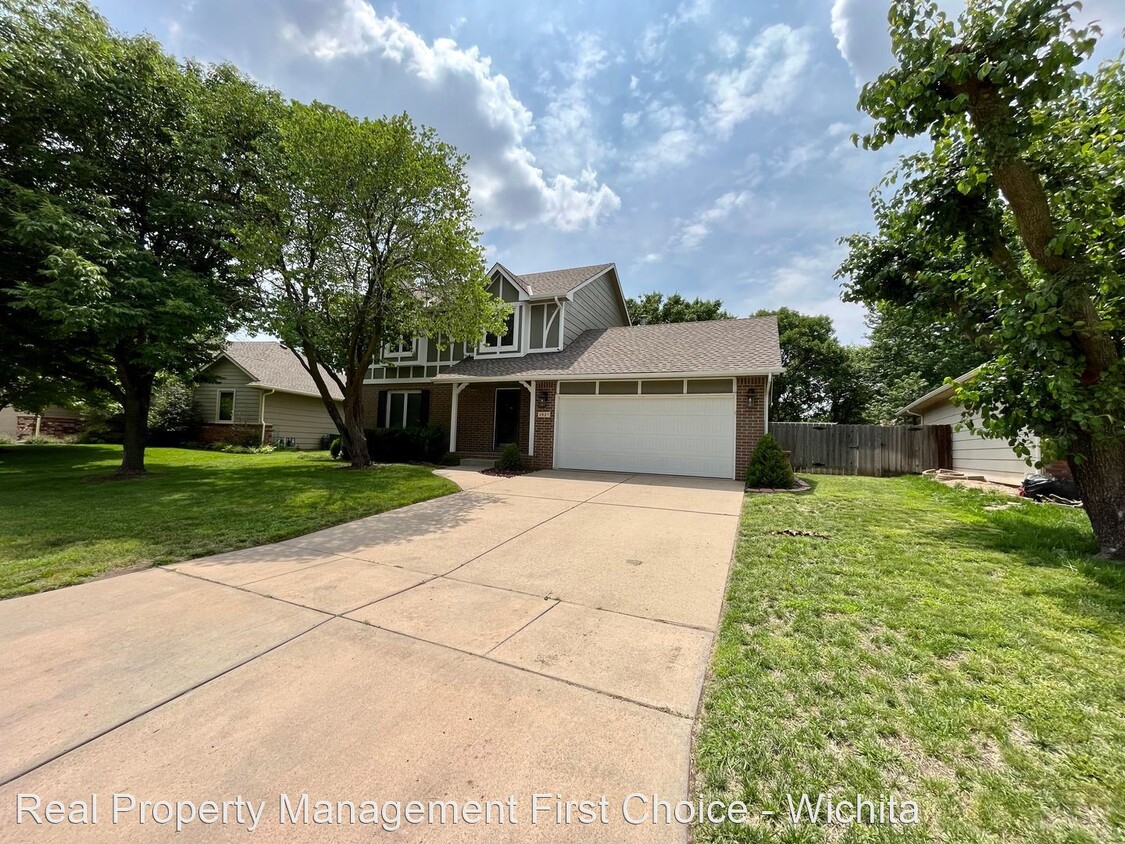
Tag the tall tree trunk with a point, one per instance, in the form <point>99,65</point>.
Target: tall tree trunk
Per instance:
<point>136,397</point>
<point>354,437</point>
<point>1101,477</point>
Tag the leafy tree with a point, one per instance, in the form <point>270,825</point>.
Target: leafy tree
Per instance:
<point>820,382</point>
<point>121,175</point>
<point>654,308</point>
<point>910,354</point>
<point>1011,225</point>
<point>365,237</point>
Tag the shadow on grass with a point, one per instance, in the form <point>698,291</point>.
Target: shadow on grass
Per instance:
<point>1025,535</point>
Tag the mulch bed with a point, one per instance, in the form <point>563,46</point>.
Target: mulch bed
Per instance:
<point>506,473</point>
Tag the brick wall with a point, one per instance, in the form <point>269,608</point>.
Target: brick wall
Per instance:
<point>218,433</point>
<point>750,422</point>
<point>441,398</point>
<point>49,426</point>
<point>545,428</point>
<point>476,420</point>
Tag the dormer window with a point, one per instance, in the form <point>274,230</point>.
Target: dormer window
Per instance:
<point>401,349</point>
<point>509,341</point>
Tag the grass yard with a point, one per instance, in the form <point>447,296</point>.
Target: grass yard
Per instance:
<point>64,519</point>
<point>969,658</point>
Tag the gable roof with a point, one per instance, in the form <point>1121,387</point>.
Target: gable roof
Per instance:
<point>273,366</point>
<point>551,283</point>
<point>716,347</point>
<point>937,395</point>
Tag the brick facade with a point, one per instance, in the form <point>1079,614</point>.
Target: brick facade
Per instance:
<point>476,420</point>
<point>49,426</point>
<point>750,420</point>
<point>215,432</point>
<point>544,457</point>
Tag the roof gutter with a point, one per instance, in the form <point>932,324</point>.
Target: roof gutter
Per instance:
<point>446,377</point>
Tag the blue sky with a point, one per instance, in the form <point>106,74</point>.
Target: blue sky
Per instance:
<point>704,146</point>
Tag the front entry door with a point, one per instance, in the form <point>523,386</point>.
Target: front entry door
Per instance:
<point>507,416</point>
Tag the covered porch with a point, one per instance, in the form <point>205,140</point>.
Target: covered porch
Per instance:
<point>485,417</point>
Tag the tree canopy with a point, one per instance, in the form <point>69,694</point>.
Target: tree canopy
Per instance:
<point>821,382</point>
<point>655,308</point>
<point>122,174</point>
<point>364,236</point>
<point>1009,228</point>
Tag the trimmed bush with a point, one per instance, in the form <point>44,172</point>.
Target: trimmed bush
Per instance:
<point>510,459</point>
<point>427,444</point>
<point>337,450</point>
<point>768,467</point>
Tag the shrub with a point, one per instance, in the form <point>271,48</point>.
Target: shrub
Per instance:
<point>326,441</point>
<point>768,467</point>
<point>103,427</point>
<point>510,459</point>
<point>173,418</point>
<point>337,450</point>
<point>450,459</point>
<point>229,448</point>
<point>427,444</point>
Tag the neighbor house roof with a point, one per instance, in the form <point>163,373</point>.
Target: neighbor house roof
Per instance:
<point>275,367</point>
<point>553,283</point>
<point>936,395</point>
<point>717,347</point>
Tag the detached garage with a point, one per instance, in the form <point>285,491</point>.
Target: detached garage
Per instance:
<point>679,399</point>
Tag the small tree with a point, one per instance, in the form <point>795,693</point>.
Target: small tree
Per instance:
<point>768,467</point>
<point>365,237</point>
<point>173,418</point>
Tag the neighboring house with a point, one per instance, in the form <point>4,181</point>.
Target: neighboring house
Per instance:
<point>576,386</point>
<point>54,421</point>
<point>260,389</point>
<point>972,454</point>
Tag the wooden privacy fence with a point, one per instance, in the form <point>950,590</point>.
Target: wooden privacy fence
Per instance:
<point>875,450</point>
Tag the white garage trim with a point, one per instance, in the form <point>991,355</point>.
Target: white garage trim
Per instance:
<point>669,434</point>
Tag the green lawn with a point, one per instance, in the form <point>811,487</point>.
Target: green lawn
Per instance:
<point>64,519</point>
<point>969,658</point>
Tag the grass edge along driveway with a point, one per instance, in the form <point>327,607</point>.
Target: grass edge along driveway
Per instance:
<point>64,519</point>
<point>932,643</point>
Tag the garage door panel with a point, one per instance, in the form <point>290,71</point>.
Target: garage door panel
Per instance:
<point>674,435</point>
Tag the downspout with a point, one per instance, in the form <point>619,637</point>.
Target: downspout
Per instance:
<point>769,401</point>
<point>262,415</point>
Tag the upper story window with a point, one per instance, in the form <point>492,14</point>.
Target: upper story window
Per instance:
<point>509,341</point>
<point>401,349</point>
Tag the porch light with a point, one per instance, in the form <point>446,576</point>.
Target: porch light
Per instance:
<point>542,398</point>
<point>750,397</point>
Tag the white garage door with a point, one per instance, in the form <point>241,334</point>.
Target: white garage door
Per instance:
<point>665,435</point>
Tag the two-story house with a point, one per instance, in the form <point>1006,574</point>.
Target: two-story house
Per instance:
<point>577,386</point>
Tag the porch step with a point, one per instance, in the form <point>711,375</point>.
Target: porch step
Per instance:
<point>477,463</point>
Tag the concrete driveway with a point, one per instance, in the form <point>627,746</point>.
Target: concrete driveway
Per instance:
<point>539,634</point>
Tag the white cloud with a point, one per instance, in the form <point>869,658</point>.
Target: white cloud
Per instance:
<point>726,45</point>
<point>569,125</point>
<point>860,28</point>
<point>456,90</point>
<point>694,231</point>
<point>654,37</point>
<point>766,81</point>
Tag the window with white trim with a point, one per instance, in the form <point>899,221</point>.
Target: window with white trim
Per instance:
<point>224,412</point>
<point>401,349</point>
<point>404,409</point>
<point>509,341</point>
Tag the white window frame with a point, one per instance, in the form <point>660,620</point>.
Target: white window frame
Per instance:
<point>394,351</point>
<point>405,404</point>
<point>219,406</point>
<point>517,335</point>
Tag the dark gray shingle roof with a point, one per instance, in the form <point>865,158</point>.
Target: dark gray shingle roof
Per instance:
<point>559,282</point>
<point>724,345</point>
<point>275,367</point>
